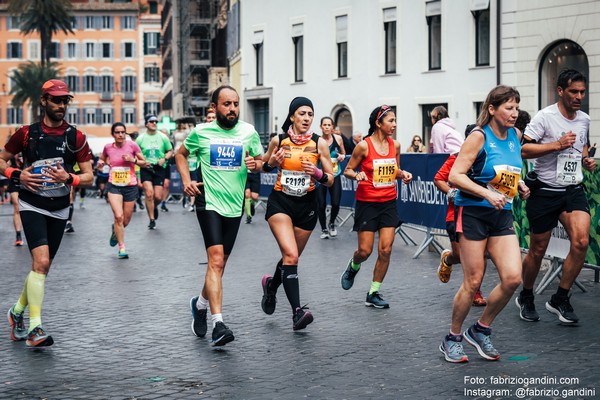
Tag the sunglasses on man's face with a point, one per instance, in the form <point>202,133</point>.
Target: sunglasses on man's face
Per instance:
<point>59,100</point>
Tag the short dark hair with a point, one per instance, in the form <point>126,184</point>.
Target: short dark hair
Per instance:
<point>215,95</point>
<point>114,126</point>
<point>329,118</point>
<point>568,76</point>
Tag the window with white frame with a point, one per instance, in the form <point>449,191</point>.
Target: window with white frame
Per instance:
<point>33,50</point>
<point>14,50</point>
<point>107,22</point>
<point>71,51</point>
<point>257,42</point>
<point>129,115</point>
<point>341,37</point>
<point>151,107</point>
<point>107,116</point>
<point>90,116</point>
<point>73,115</point>
<point>55,50</point>
<point>14,116</point>
<point>389,28</point>
<point>433,12</point>
<point>13,22</point>
<point>107,50</point>
<point>88,22</point>
<point>127,50</point>
<point>74,23</point>
<point>298,39</point>
<point>90,50</point>
<point>128,84</point>
<point>151,73</point>
<point>481,13</point>
<point>72,81</point>
<point>89,83</point>
<point>107,83</point>
<point>128,23</point>
<point>151,40</point>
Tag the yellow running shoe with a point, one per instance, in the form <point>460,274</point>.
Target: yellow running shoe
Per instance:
<point>444,270</point>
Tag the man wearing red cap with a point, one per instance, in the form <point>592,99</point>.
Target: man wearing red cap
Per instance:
<point>50,150</point>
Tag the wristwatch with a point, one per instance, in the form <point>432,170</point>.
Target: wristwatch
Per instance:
<point>69,180</point>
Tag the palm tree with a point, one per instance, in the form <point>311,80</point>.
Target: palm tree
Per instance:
<point>47,17</point>
<point>27,83</point>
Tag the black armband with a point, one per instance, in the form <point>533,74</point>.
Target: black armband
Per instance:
<point>324,179</point>
<point>267,168</point>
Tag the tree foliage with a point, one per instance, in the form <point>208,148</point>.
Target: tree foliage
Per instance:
<point>27,83</point>
<point>47,17</point>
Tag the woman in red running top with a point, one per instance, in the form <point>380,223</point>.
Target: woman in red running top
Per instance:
<point>378,157</point>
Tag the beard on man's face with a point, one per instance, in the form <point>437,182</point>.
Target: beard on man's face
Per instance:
<point>227,121</point>
<point>54,116</point>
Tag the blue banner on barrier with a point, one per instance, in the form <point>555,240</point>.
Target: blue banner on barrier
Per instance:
<point>175,186</point>
<point>421,202</point>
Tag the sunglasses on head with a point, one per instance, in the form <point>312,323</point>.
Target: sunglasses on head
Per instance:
<point>59,100</point>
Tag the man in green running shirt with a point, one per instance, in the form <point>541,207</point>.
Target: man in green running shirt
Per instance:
<point>157,150</point>
<point>227,150</point>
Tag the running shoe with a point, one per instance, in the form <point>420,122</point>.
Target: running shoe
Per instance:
<point>163,207</point>
<point>155,212</point>
<point>123,253</point>
<point>139,203</point>
<point>113,238</point>
<point>482,342</point>
<point>444,270</point>
<point>374,300</point>
<point>69,228</point>
<point>248,219</point>
<point>18,332</point>
<point>39,338</point>
<point>526,307</point>
<point>269,300</point>
<point>453,350</point>
<point>478,299</point>
<point>221,334</point>
<point>18,239</point>
<point>152,224</point>
<point>348,276</point>
<point>198,318</point>
<point>332,230</point>
<point>324,234</point>
<point>563,309</point>
<point>191,208</point>
<point>81,206</point>
<point>301,318</point>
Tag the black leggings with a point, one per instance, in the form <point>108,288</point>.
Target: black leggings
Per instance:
<point>218,230</point>
<point>41,230</point>
<point>335,194</point>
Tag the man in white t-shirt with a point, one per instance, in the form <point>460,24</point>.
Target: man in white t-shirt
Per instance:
<point>557,137</point>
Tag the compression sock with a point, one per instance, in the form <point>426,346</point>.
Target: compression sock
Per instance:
<point>289,277</point>
<point>562,293</point>
<point>70,212</point>
<point>276,281</point>
<point>248,206</point>
<point>35,295</point>
<point>21,304</point>
<point>354,265</point>
<point>374,287</point>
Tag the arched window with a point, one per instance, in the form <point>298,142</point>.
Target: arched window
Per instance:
<point>343,119</point>
<point>564,54</point>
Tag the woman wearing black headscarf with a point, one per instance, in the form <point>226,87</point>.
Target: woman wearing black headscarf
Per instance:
<point>292,206</point>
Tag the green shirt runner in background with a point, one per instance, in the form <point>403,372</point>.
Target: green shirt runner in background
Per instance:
<point>221,155</point>
<point>154,146</point>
